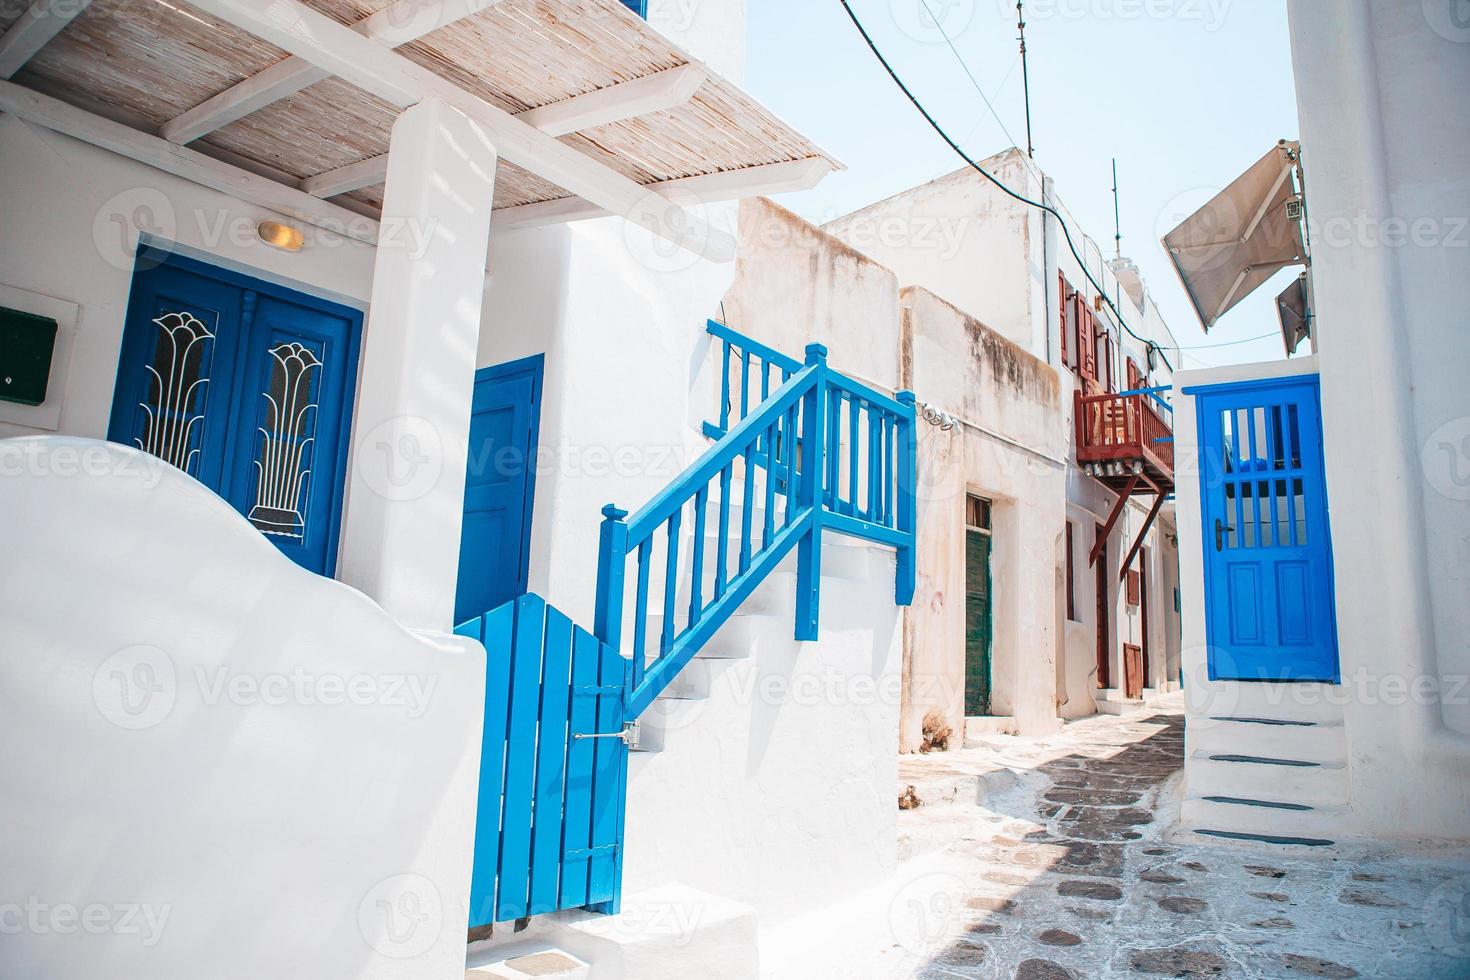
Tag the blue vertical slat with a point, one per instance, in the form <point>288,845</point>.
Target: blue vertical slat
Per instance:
<point>744,383</point>
<point>577,826</point>
<point>873,437</point>
<point>497,632</point>
<point>671,583</point>
<point>609,785</point>
<point>696,564</point>
<point>833,446</point>
<point>725,387</point>
<point>722,543</point>
<point>748,499</point>
<point>640,613</point>
<point>768,530</point>
<point>551,754</point>
<point>525,702</point>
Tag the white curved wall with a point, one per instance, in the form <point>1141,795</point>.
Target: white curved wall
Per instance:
<point>218,764</point>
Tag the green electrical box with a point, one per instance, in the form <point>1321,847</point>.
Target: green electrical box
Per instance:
<point>26,344</point>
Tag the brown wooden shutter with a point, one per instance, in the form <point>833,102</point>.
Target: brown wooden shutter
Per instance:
<point>1062,313</point>
<point>1071,584</point>
<point>1086,338</point>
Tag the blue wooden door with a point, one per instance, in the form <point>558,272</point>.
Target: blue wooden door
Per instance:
<point>246,386</point>
<point>1268,553</point>
<point>495,543</point>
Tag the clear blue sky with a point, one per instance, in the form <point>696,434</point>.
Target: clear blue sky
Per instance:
<point>1185,93</point>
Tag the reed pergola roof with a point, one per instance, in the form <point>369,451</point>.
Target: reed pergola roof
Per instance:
<point>590,73</point>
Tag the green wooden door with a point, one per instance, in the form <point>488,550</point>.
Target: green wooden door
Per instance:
<point>977,623</point>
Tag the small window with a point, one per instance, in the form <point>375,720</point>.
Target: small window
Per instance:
<point>977,513</point>
<point>1134,587</point>
<point>1070,560</point>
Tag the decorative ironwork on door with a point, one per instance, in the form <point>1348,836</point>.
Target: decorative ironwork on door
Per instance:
<point>245,385</point>
<point>175,401</point>
<point>284,464</point>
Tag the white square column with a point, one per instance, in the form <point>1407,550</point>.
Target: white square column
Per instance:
<point>405,495</point>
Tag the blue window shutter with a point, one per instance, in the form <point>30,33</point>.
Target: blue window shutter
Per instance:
<point>639,7</point>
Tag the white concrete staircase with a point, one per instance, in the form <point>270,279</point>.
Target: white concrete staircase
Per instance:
<point>1266,763</point>
<point>765,620</point>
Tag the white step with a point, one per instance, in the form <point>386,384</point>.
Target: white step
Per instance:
<point>1111,701</point>
<point>1237,775</point>
<point>1305,741</point>
<point>540,962</point>
<point>663,718</point>
<point>843,557</point>
<point>1321,821</point>
<point>978,726</point>
<point>671,933</point>
<point>1310,702</point>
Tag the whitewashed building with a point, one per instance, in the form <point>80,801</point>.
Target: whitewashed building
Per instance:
<point>1048,574</point>
<point>1322,498</point>
<point>329,333</point>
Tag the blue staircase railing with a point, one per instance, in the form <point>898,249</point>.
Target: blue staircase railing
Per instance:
<point>819,452</point>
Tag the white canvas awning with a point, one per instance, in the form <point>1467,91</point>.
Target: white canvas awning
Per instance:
<point>1243,236</point>
<point>1294,307</point>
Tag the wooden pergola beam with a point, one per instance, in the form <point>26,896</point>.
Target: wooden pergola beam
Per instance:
<point>394,25</point>
<point>60,117</point>
<point>369,65</point>
<point>651,93</point>
<point>42,21</point>
<point>770,178</point>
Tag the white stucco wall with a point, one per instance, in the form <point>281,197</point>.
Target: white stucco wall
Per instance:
<point>963,240</point>
<point>222,765</point>
<point>1388,183</point>
<point>72,215</point>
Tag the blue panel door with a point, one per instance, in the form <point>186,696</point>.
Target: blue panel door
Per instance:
<point>1268,552</point>
<point>495,544</point>
<point>246,386</point>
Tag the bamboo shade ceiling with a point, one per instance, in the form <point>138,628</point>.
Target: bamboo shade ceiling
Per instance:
<point>147,61</point>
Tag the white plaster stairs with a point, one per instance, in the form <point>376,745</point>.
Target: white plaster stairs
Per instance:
<point>1268,766</point>
<point>765,620</point>
<point>729,720</point>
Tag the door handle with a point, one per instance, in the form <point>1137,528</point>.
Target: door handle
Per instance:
<point>1220,530</point>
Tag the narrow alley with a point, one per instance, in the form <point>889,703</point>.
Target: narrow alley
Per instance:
<point>1068,867</point>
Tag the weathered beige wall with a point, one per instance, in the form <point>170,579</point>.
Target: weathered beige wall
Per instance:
<point>1007,446</point>
<point>796,285</point>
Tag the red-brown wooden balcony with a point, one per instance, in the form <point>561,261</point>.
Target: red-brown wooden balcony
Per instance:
<point>1120,436</point>
<point>1126,442</point>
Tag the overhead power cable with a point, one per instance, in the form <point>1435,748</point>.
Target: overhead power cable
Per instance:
<point>1066,233</point>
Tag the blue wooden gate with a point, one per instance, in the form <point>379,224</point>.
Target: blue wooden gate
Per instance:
<point>553,767</point>
<point>1268,552</point>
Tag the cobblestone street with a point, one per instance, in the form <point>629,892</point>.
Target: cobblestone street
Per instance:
<point>1068,867</point>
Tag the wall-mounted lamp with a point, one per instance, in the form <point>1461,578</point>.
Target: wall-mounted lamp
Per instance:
<point>280,236</point>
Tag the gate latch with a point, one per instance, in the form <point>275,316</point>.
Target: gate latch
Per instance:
<point>629,735</point>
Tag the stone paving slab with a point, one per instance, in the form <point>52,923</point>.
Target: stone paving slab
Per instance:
<point>1078,872</point>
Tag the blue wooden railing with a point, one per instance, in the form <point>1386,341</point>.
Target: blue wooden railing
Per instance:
<point>818,452</point>
<point>748,369</point>
<point>813,451</point>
